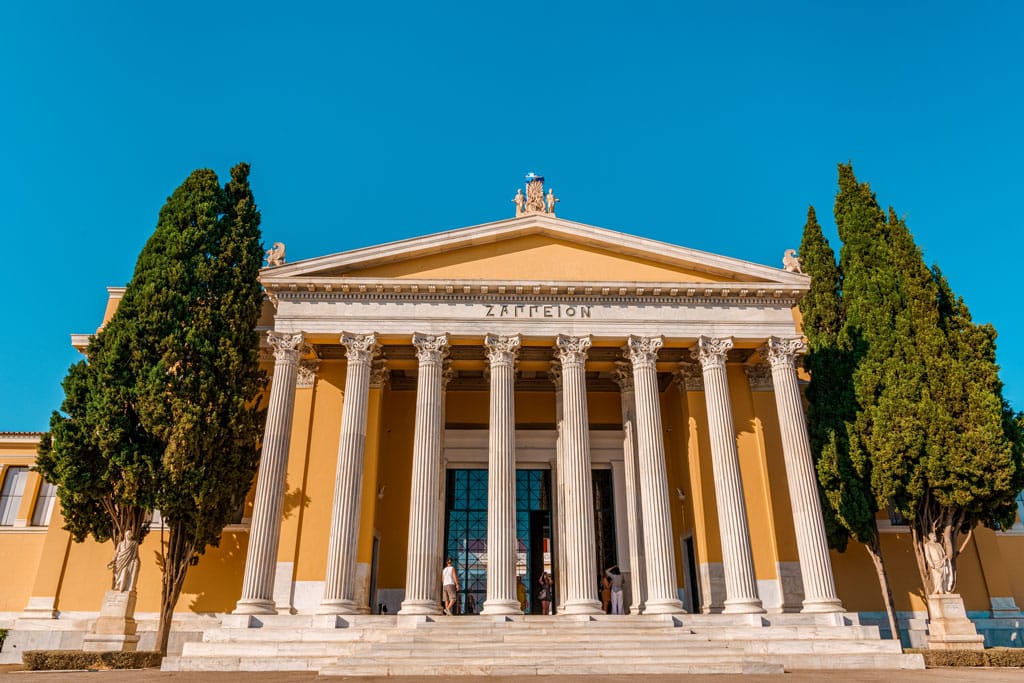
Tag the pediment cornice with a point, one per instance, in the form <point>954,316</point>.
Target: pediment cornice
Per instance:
<point>627,245</point>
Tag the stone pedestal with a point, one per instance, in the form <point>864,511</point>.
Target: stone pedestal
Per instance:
<point>115,627</point>
<point>948,625</point>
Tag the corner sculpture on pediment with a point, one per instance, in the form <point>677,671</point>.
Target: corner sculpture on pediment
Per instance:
<point>792,263</point>
<point>275,255</point>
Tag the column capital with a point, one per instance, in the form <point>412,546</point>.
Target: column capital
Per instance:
<point>379,374</point>
<point>572,350</point>
<point>360,348</point>
<point>622,375</point>
<point>555,374</point>
<point>759,376</point>
<point>286,346</point>
<point>643,351</point>
<point>781,352</point>
<point>502,350</point>
<point>430,348</point>
<point>690,377</point>
<point>711,351</point>
<point>306,377</point>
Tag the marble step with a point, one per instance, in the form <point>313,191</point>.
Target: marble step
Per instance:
<point>548,668</point>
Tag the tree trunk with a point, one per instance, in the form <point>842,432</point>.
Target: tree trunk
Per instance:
<point>874,549</point>
<point>177,555</point>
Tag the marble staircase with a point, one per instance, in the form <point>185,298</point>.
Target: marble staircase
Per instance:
<point>541,645</point>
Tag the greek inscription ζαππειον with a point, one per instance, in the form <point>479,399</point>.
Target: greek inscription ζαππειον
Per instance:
<point>536,311</point>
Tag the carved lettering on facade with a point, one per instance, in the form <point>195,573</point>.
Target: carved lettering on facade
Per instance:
<point>536,311</point>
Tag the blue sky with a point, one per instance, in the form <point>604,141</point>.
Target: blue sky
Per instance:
<point>711,125</point>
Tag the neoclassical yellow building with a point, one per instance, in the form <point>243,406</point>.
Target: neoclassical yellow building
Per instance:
<point>525,396</point>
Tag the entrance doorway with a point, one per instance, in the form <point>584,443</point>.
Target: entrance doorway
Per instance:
<point>466,533</point>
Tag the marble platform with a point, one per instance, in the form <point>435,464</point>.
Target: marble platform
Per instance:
<point>541,645</point>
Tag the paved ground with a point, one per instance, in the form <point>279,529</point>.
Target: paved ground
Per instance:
<point>8,675</point>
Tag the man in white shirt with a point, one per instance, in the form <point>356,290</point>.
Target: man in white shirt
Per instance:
<point>450,586</point>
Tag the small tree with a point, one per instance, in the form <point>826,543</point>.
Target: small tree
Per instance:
<point>103,464</point>
<point>848,504</point>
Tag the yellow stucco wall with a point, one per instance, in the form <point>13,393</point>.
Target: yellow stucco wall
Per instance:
<point>534,257</point>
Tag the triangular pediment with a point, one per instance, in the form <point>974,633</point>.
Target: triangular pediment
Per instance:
<point>533,248</point>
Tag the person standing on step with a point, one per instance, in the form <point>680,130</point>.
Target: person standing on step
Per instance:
<point>614,577</point>
<point>521,593</point>
<point>449,586</point>
<point>545,593</point>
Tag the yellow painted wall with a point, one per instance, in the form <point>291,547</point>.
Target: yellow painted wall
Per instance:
<point>1011,548</point>
<point>677,469</point>
<point>395,474</point>
<point>534,257</point>
<point>755,484</point>
<point>20,550</point>
<point>317,481</point>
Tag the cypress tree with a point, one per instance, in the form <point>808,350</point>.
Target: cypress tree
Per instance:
<point>931,432</point>
<point>195,300</point>
<point>848,504</point>
<point>165,412</point>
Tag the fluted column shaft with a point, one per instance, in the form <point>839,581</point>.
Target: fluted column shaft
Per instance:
<point>623,376</point>
<point>737,559</point>
<point>811,542</point>
<point>581,565</point>
<point>662,594</point>
<point>343,543</point>
<point>501,479</point>
<point>422,569</point>
<point>265,530</point>
<point>557,481</point>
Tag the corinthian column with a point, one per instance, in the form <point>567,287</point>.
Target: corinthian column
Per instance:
<point>811,543</point>
<point>555,375</point>
<point>581,565</point>
<point>740,583</point>
<point>339,588</point>
<point>623,376</point>
<point>422,568</point>
<point>265,530</point>
<point>501,479</point>
<point>662,595</point>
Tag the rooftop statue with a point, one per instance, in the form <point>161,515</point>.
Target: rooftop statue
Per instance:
<point>534,200</point>
<point>275,255</point>
<point>792,263</point>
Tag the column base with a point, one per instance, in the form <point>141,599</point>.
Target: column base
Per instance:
<point>339,606</point>
<point>501,607</point>
<point>255,606</point>
<point>664,607</point>
<point>582,607</point>
<point>743,606</point>
<point>420,607</point>
<point>822,605</point>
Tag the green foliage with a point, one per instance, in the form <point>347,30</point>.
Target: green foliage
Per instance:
<point>848,507</point>
<point>3,637</point>
<point>193,303</point>
<point>896,359</point>
<point>103,463</point>
<point>68,660</point>
<point>165,412</point>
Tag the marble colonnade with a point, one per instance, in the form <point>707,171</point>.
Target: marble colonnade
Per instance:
<point>651,542</point>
